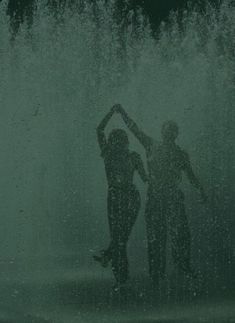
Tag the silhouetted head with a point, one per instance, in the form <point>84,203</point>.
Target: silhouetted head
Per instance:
<point>170,131</point>
<point>118,140</point>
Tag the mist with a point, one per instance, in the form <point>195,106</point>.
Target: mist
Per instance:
<point>58,79</point>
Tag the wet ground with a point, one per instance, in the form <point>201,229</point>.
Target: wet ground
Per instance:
<point>66,294</point>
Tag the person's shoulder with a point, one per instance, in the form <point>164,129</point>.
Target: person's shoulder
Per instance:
<point>181,150</point>
<point>183,154</point>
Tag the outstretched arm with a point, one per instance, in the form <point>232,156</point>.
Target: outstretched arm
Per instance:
<point>193,178</point>
<point>145,140</point>
<point>100,129</point>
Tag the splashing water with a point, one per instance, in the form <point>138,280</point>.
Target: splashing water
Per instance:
<point>62,74</point>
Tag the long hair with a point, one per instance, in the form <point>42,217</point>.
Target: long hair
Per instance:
<point>118,140</point>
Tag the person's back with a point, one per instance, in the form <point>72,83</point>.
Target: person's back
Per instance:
<point>166,164</point>
<point>120,168</point>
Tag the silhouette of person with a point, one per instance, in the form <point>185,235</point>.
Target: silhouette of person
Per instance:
<point>165,210</point>
<point>123,198</point>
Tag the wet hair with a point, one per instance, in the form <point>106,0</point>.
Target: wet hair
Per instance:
<point>170,130</point>
<point>118,140</point>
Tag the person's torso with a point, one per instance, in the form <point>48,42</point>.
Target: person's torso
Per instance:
<point>119,169</point>
<point>165,165</point>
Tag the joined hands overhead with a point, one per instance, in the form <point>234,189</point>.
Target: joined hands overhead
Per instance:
<point>117,108</point>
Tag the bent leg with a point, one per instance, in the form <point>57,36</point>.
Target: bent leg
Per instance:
<point>126,210</point>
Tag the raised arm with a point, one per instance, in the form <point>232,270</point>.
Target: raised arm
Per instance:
<point>193,178</point>
<point>145,140</point>
<point>101,127</point>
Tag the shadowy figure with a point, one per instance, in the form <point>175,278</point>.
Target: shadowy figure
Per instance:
<point>123,197</point>
<point>165,210</point>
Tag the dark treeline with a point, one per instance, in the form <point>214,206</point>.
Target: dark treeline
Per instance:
<point>156,11</point>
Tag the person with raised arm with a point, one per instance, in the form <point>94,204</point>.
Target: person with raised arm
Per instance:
<point>165,209</point>
<point>123,202</point>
